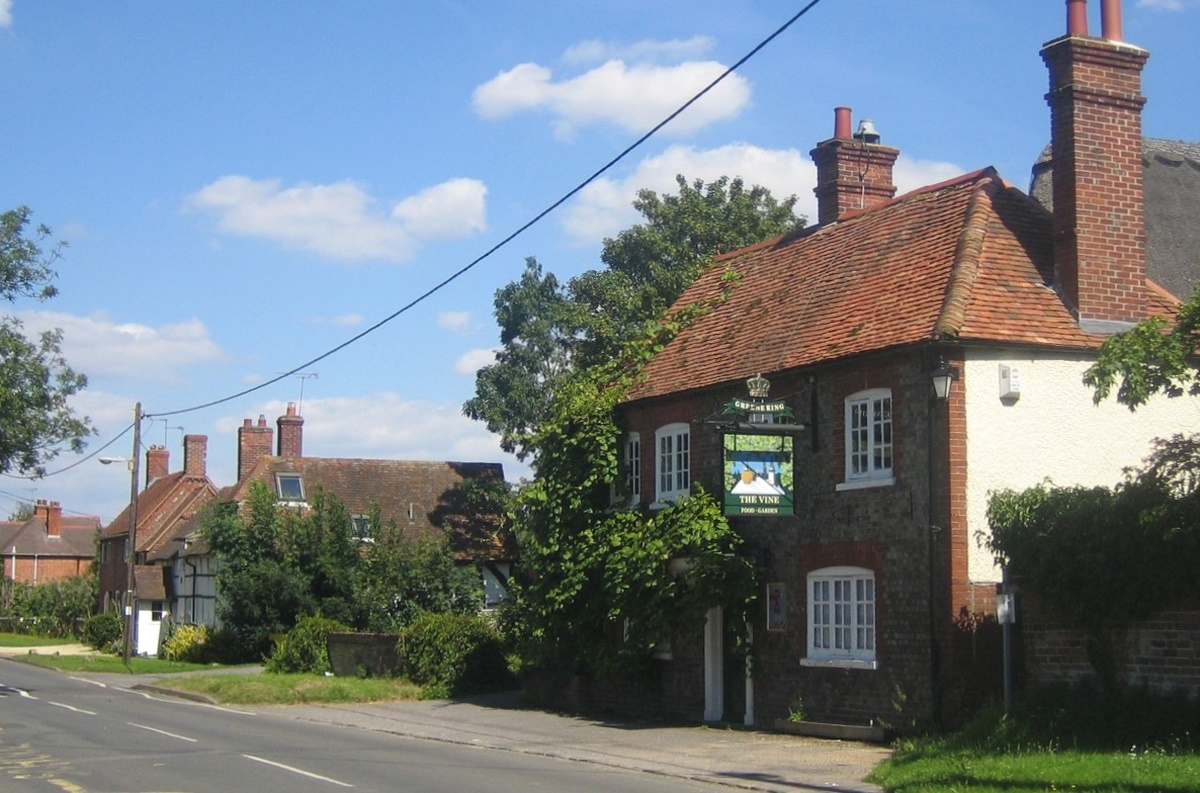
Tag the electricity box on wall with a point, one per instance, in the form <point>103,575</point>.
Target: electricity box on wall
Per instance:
<point>1010,383</point>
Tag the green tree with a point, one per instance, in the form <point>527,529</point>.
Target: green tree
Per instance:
<point>36,422</point>
<point>1101,557</point>
<point>22,512</point>
<point>598,592</point>
<point>278,564</point>
<point>547,330</point>
<point>1155,356</point>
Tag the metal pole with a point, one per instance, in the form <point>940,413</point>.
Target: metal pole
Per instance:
<point>131,540</point>
<point>1006,630</point>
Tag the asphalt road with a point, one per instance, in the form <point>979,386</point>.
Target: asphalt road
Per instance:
<point>60,733</point>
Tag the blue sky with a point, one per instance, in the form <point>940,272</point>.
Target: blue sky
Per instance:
<point>245,186</point>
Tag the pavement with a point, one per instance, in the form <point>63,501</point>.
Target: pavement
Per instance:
<point>725,755</point>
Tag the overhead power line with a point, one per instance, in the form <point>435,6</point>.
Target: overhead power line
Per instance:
<point>486,254</point>
<point>521,230</point>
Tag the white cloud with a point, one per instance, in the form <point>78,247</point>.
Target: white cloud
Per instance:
<point>597,51</point>
<point>454,320</point>
<point>472,361</point>
<point>341,220</point>
<point>456,208</point>
<point>909,174</point>
<point>633,97</point>
<point>604,207</point>
<point>5,13</point>
<point>98,346</point>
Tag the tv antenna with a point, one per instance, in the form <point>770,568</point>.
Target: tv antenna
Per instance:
<point>302,376</point>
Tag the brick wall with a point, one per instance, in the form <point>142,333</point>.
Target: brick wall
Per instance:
<point>45,568</point>
<point>1161,653</point>
<point>884,529</point>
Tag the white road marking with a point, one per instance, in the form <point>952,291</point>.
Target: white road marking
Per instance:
<point>73,709</point>
<point>302,772</point>
<point>162,732</point>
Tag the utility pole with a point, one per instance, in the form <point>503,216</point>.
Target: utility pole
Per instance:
<point>131,540</point>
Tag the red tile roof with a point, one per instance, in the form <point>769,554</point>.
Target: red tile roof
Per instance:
<point>162,507</point>
<point>970,259</point>
<point>428,491</point>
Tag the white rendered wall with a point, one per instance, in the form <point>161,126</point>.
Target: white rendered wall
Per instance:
<point>1052,431</point>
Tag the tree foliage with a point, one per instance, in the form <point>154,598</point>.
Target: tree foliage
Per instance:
<point>1103,557</point>
<point>278,564</point>
<point>1153,357</point>
<point>598,590</point>
<point>548,329</point>
<point>36,422</point>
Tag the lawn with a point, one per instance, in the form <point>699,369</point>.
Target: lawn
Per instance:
<point>238,685</point>
<point>26,640</point>
<point>1059,741</point>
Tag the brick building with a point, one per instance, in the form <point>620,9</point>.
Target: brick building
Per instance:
<point>876,570</point>
<point>49,546</point>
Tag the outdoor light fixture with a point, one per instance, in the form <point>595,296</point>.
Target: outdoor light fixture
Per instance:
<point>942,377</point>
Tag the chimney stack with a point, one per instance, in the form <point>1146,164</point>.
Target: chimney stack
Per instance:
<point>291,433</point>
<point>157,463</point>
<point>195,455</point>
<point>853,171</point>
<point>1096,103</point>
<point>49,514</point>
<point>254,443</point>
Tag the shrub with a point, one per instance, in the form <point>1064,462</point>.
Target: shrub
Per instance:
<point>186,643</point>
<point>452,654</point>
<point>304,648</point>
<point>52,608</point>
<point>103,631</point>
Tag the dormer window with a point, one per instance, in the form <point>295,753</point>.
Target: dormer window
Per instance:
<point>362,528</point>
<point>290,487</point>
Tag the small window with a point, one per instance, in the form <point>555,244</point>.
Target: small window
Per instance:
<point>633,467</point>
<point>841,617</point>
<point>289,487</point>
<point>673,462</point>
<point>362,528</point>
<point>156,611</point>
<point>869,449</point>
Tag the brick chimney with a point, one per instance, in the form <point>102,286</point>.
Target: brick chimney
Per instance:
<point>853,171</point>
<point>49,514</point>
<point>254,443</point>
<point>195,455</point>
<point>1096,152</point>
<point>157,463</point>
<point>291,433</point>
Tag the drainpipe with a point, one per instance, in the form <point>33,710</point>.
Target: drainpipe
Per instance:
<point>748,719</point>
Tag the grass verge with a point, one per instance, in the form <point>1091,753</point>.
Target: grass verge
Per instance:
<point>26,640</point>
<point>1058,741</point>
<point>295,689</point>
<point>112,664</point>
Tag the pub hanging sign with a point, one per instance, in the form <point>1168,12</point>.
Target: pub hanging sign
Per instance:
<point>759,471</point>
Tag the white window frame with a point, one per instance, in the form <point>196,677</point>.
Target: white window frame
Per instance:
<point>870,440</point>
<point>842,612</point>
<point>672,463</point>
<point>633,467</point>
<point>279,488</point>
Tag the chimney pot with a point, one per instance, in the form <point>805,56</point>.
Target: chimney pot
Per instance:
<point>1110,20</point>
<point>1077,24</point>
<point>841,123</point>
